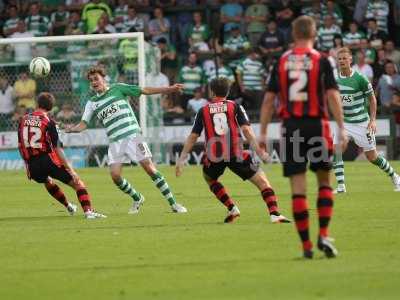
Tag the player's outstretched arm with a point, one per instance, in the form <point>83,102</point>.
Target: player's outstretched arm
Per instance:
<point>176,88</point>
<point>267,111</point>
<point>189,143</point>
<point>336,109</point>
<point>81,126</point>
<point>251,138</point>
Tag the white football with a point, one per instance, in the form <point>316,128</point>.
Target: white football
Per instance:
<point>39,67</point>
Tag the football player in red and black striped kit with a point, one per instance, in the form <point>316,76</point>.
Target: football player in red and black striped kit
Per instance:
<point>42,151</point>
<point>223,121</point>
<point>303,79</point>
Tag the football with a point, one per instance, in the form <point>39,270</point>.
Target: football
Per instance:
<point>39,67</point>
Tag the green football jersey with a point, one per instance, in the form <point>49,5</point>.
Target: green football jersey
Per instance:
<point>112,108</point>
<point>354,92</point>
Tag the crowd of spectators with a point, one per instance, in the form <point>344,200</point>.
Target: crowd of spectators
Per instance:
<point>200,39</point>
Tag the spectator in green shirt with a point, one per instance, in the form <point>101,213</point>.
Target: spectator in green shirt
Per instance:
<point>256,16</point>
<point>198,32</point>
<point>92,12</point>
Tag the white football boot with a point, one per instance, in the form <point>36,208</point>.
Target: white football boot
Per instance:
<point>72,208</point>
<point>396,182</point>
<point>233,214</point>
<point>136,206</point>
<point>178,208</point>
<point>279,219</point>
<point>341,188</point>
<point>94,215</point>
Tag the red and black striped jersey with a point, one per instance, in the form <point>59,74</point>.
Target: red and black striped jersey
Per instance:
<point>37,135</point>
<point>221,119</point>
<point>300,78</point>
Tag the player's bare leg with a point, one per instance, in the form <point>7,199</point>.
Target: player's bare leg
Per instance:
<point>126,187</point>
<point>260,180</point>
<point>325,210</point>
<point>384,165</point>
<point>57,193</point>
<point>84,199</point>
<point>219,191</point>
<point>298,185</point>
<point>161,183</point>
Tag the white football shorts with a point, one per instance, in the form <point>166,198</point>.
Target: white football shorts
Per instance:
<point>130,149</point>
<point>360,135</point>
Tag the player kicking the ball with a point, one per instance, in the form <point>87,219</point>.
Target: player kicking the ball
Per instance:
<point>357,94</point>
<point>41,149</point>
<point>111,106</point>
<point>222,121</point>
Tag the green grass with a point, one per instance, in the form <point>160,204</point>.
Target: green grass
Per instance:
<point>46,254</point>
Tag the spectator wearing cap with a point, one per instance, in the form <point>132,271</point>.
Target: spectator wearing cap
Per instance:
<point>169,62</point>
<point>388,85</point>
<point>92,12</point>
<point>271,42</point>
<point>11,24</point>
<point>251,79</point>
<point>192,77</point>
<point>256,16</point>
<point>391,52</point>
<point>376,37</point>
<point>327,32</point>
<point>159,26</point>
<point>231,15</point>
<point>352,38</point>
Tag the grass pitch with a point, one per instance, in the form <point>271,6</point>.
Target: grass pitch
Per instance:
<point>46,254</point>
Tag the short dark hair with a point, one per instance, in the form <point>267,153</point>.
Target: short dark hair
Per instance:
<point>96,70</point>
<point>46,101</point>
<point>372,20</point>
<point>220,86</point>
<point>304,28</point>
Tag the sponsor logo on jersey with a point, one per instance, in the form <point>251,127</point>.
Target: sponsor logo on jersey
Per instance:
<point>108,111</point>
<point>347,98</point>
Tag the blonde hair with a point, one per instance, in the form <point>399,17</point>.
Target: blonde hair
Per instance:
<point>344,50</point>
